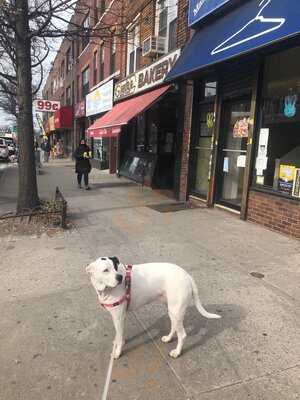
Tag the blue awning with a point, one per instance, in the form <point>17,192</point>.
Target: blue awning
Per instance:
<point>255,24</point>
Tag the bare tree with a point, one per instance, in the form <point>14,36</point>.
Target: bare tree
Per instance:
<point>25,28</point>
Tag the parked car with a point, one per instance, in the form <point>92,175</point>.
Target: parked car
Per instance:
<point>4,152</point>
<point>10,144</point>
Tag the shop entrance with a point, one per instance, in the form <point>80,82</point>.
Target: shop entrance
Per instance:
<point>202,150</point>
<point>234,130</point>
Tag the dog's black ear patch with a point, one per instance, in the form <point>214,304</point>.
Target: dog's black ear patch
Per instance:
<point>115,261</point>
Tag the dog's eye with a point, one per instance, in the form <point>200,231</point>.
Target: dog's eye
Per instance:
<point>106,270</point>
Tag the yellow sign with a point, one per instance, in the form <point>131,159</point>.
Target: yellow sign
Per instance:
<point>286,178</point>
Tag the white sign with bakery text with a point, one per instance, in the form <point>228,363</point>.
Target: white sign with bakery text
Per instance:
<point>147,77</point>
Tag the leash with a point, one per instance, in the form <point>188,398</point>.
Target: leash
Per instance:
<point>127,298</point>
<point>108,376</point>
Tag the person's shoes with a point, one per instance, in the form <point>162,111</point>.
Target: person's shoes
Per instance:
<point>87,188</point>
<point>79,187</point>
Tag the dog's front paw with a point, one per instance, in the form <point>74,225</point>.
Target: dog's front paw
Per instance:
<point>166,339</point>
<point>117,354</point>
<point>174,353</point>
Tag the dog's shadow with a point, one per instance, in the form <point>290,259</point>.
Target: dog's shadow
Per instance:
<point>195,325</point>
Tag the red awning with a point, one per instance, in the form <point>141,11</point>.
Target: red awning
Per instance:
<point>111,123</point>
<point>63,118</point>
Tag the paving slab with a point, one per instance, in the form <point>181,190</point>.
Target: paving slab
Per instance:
<point>55,340</point>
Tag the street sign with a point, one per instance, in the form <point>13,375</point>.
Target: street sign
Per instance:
<point>46,105</point>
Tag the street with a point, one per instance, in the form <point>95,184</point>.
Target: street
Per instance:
<point>56,340</point>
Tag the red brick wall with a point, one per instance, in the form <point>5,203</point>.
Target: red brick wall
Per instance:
<point>276,213</point>
<point>183,32</point>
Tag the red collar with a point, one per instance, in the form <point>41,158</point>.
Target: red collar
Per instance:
<point>127,295</point>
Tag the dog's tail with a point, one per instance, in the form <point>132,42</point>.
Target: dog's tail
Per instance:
<point>198,304</point>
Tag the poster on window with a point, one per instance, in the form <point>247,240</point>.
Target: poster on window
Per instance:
<point>263,143</point>
<point>296,187</point>
<point>286,178</point>
<point>241,128</point>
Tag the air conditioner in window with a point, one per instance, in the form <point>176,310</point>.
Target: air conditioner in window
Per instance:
<point>153,46</point>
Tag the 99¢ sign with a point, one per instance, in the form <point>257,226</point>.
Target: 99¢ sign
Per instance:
<point>46,105</point>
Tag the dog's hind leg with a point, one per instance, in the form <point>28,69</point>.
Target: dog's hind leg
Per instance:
<point>181,334</point>
<point>169,337</point>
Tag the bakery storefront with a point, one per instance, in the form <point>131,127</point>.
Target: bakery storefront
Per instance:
<point>145,121</point>
<point>244,63</point>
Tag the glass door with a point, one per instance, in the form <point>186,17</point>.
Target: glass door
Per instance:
<point>234,131</point>
<point>202,150</point>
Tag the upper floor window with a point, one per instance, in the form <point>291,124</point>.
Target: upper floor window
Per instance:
<point>101,6</point>
<point>62,69</point>
<point>85,81</point>
<point>86,32</point>
<point>78,89</point>
<point>133,49</point>
<point>68,96</point>
<point>166,26</point>
<point>95,67</point>
<point>113,49</point>
<point>69,59</point>
<point>101,62</point>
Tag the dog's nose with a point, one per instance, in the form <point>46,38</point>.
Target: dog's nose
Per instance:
<point>119,278</point>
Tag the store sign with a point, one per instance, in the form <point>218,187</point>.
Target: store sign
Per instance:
<point>147,77</point>
<point>100,99</point>
<point>80,109</point>
<point>199,9</point>
<point>51,124</point>
<point>255,24</point>
<point>46,105</point>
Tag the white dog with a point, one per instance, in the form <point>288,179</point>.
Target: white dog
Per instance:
<point>120,287</point>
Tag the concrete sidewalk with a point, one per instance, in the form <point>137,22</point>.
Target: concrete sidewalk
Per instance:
<point>56,341</point>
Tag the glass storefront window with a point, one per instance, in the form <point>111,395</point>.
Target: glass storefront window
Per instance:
<point>100,149</point>
<point>277,163</point>
<point>210,89</point>
<point>141,133</point>
<point>203,129</point>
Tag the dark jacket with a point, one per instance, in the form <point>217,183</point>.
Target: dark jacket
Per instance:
<point>46,146</point>
<point>82,155</point>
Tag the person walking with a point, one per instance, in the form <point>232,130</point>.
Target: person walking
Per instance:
<point>83,167</point>
<point>46,149</point>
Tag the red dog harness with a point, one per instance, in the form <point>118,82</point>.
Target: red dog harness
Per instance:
<point>127,295</point>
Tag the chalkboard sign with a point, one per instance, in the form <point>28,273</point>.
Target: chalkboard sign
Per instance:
<point>139,167</point>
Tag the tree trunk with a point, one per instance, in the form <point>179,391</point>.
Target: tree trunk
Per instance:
<point>27,191</point>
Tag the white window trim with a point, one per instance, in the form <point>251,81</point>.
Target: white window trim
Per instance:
<point>134,45</point>
<point>172,6</point>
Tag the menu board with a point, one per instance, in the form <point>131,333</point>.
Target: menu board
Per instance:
<point>139,167</point>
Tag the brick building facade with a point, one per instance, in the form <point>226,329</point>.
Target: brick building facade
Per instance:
<point>214,157</point>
